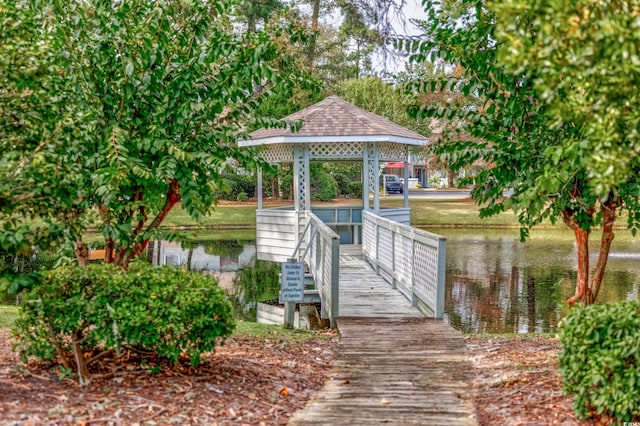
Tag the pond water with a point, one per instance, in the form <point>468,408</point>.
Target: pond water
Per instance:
<point>494,283</point>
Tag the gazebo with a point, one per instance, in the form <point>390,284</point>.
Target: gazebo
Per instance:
<point>335,130</point>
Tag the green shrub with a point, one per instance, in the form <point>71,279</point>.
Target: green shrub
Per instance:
<point>243,197</point>
<point>165,311</point>
<point>324,187</point>
<point>286,186</point>
<point>355,189</point>
<point>600,360</point>
<point>342,180</point>
<point>234,184</point>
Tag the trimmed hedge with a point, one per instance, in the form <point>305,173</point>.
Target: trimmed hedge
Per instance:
<point>159,310</point>
<point>355,189</point>
<point>600,360</point>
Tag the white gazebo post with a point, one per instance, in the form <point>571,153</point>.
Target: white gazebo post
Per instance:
<point>365,177</point>
<point>301,186</point>
<point>406,180</point>
<point>259,187</point>
<point>373,152</point>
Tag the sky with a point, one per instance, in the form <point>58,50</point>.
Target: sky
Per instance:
<point>403,26</point>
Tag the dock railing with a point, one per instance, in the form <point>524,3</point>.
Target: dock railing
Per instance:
<point>410,259</point>
<point>319,248</point>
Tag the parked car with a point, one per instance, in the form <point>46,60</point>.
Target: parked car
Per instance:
<point>392,183</point>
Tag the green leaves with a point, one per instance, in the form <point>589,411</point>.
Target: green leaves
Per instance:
<point>120,104</point>
<point>545,122</point>
<point>583,56</point>
<point>600,359</point>
<point>166,311</point>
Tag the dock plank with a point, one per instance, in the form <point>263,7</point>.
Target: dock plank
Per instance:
<point>394,370</point>
<point>392,365</point>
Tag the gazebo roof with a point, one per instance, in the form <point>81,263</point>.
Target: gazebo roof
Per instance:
<point>334,120</point>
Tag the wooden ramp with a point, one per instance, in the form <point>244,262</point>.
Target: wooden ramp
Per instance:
<point>392,365</point>
<point>365,294</point>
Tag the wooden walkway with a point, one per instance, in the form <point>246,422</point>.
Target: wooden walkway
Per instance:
<point>392,365</point>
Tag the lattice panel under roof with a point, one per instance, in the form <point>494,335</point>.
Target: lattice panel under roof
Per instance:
<point>283,153</point>
<point>335,151</point>
<point>278,153</point>
<point>392,151</point>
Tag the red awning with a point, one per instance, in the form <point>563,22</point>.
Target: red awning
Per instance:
<point>395,165</point>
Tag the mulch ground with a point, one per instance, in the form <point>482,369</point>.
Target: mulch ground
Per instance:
<point>518,384</point>
<point>262,382</point>
<point>246,382</point>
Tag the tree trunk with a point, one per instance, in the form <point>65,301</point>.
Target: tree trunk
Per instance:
<point>56,343</point>
<point>172,198</point>
<point>81,252</point>
<point>189,259</point>
<point>108,251</point>
<point>608,219</point>
<point>81,363</point>
<point>451,179</point>
<point>531,303</point>
<point>315,15</point>
<point>583,292</point>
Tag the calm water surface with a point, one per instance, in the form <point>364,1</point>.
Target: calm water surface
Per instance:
<point>494,283</point>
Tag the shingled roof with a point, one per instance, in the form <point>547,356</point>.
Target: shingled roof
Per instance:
<point>336,120</point>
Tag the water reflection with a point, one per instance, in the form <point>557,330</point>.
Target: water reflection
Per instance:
<point>495,284</point>
<point>220,258</point>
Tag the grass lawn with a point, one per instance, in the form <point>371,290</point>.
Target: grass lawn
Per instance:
<point>263,331</point>
<point>8,315</point>
<point>447,212</point>
<point>240,214</point>
<point>424,212</point>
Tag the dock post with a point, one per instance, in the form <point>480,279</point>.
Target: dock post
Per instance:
<point>289,314</point>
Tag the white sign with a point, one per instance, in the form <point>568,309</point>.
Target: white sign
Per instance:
<point>292,282</point>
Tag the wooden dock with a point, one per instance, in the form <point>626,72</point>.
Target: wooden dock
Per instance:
<point>365,294</point>
<point>392,365</point>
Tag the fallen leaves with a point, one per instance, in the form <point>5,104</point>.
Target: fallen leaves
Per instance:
<point>246,382</point>
<point>263,381</point>
<point>517,382</point>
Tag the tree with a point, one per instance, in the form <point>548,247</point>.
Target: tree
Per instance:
<point>515,128</point>
<point>133,107</point>
<point>427,75</point>
<point>381,98</point>
<point>346,51</point>
<point>255,11</point>
<point>38,176</point>
<point>584,56</point>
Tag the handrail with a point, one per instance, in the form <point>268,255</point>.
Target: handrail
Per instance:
<point>411,260</point>
<point>322,256</point>
<point>300,241</point>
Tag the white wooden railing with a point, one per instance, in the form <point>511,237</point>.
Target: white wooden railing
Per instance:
<point>411,260</point>
<point>319,248</point>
